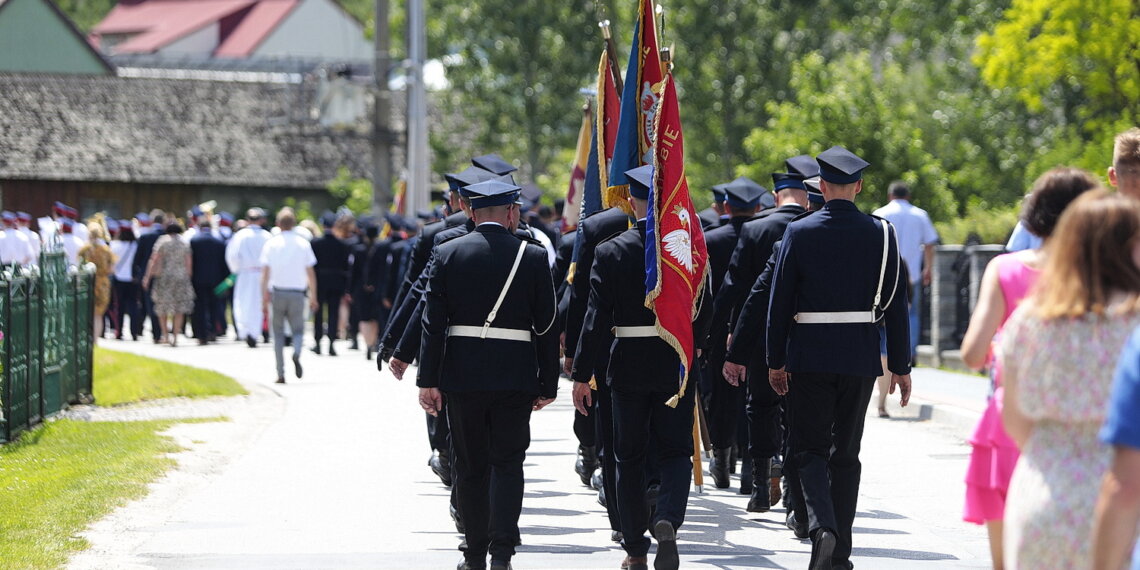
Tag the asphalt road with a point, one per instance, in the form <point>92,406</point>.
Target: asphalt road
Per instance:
<point>330,472</point>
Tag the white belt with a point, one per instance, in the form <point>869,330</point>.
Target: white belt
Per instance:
<point>489,332</point>
<point>837,317</point>
<point>636,332</point>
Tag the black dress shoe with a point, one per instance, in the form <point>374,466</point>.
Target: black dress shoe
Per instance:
<point>280,380</point>
<point>440,464</point>
<point>799,528</point>
<point>666,558</point>
<point>822,547</point>
<point>297,365</point>
<point>616,536</point>
<point>468,565</point>
<point>316,349</point>
<point>457,519</point>
<point>500,565</point>
<point>718,467</point>
<point>252,342</point>
<point>596,480</point>
<point>746,477</point>
<point>332,350</point>
<point>586,463</point>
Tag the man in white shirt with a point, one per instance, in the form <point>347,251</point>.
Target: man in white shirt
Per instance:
<point>917,237</point>
<point>14,246</point>
<point>287,279</point>
<point>243,255</point>
<point>23,222</point>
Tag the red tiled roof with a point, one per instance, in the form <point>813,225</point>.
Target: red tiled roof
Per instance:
<point>255,27</point>
<point>160,22</point>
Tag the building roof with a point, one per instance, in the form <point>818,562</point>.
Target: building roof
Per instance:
<point>159,131</point>
<point>262,19</point>
<point>155,24</point>
<point>80,41</point>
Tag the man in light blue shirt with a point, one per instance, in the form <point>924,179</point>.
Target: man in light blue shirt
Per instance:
<point>917,237</point>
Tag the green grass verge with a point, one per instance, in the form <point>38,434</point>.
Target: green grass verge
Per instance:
<point>123,378</point>
<point>62,476</point>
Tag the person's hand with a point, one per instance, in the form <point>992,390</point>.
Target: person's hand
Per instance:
<point>431,400</point>
<point>313,303</point>
<point>568,365</point>
<point>583,398</point>
<point>387,303</point>
<point>733,372</point>
<point>903,382</point>
<point>540,403</point>
<point>779,381</point>
<point>927,275</point>
<point>398,367</point>
<point>347,298</point>
<point>146,282</point>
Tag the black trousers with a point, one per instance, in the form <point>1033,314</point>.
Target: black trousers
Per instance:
<point>490,433</point>
<point>147,311</point>
<point>127,301</point>
<point>439,433</point>
<point>205,316</point>
<point>826,416</point>
<point>725,403</point>
<point>765,418</point>
<point>585,429</point>
<point>642,418</point>
<point>604,425</point>
<point>328,307</point>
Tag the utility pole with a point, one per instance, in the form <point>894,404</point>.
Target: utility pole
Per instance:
<point>418,193</point>
<point>382,116</point>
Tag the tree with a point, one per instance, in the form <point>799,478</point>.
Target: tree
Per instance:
<point>515,70</point>
<point>1077,59</point>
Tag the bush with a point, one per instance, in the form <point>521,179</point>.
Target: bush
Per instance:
<point>993,224</point>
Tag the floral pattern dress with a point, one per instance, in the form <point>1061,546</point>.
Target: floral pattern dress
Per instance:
<point>1063,371</point>
<point>171,290</point>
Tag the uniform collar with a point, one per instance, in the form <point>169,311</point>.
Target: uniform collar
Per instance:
<point>490,227</point>
<point>738,221</point>
<point>839,204</point>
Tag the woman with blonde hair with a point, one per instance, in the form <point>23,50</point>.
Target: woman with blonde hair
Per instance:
<point>1007,280</point>
<point>97,252</point>
<point>1057,356</point>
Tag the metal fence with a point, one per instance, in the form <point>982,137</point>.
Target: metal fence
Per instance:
<point>46,354</point>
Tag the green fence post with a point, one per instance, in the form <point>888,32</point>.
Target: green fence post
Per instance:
<point>9,420</point>
<point>35,340</point>
<point>84,335</point>
<point>53,271</point>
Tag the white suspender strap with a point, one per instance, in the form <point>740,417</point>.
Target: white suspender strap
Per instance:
<point>503,294</point>
<point>882,267</point>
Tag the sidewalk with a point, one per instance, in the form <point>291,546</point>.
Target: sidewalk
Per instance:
<point>330,472</point>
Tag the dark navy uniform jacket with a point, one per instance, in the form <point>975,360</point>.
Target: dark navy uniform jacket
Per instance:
<point>721,242</point>
<point>710,218</point>
<point>334,263</point>
<point>208,255</point>
<point>617,298</point>
<point>405,322</point>
<point>749,346</point>
<point>422,251</point>
<point>462,289</point>
<point>828,262</point>
<point>752,251</point>
<point>596,228</point>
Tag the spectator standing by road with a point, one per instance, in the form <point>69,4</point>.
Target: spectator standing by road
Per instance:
<point>126,290</point>
<point>98,253</point>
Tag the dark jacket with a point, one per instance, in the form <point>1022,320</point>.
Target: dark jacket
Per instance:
<point>334,263</point>
<point>421,251</point>
<point>208,255</point>
<point>142,254</point>
<point>828,262</point>
<point>721,242</point>
<point>617,298</point>
<point>596,228</point>
<point>462,288</point>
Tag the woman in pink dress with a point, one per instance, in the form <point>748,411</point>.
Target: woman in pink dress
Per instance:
<point>1007,280</point>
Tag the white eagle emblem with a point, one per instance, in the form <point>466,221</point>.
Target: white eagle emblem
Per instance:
<point>678,243</point>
